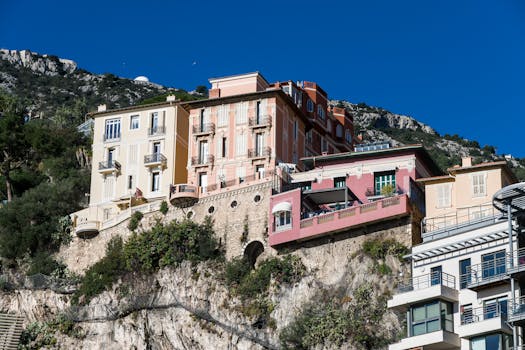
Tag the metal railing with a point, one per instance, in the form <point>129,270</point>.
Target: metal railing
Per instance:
<point>517,310</point>
<point>462,216</point>
<point>202,160</point>
<point>111,138</point>
<point>426,281</point>
<point>158,130</point>
<point>183,188</point>
<point>155,158</point>
<point>259,152</point>
<point>205,128</point>
<point>486,272</point>
<point>483,313</point>
<point>262,120</point>
<point>109,164</point>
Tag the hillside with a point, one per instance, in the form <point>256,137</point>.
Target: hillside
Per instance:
<point>57,88</point>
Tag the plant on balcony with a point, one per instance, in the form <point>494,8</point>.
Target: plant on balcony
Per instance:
<point>388,190</point>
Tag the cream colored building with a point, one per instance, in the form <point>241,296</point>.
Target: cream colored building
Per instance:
<point>138,153</point>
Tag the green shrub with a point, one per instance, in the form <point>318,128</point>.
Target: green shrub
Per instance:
<point>383,269</point>
<point>44,263</point>
<point>379,248</point>
<point>36,336</point>
<point>235,271</point>
<point>164,207</point>
<point>135,220</point>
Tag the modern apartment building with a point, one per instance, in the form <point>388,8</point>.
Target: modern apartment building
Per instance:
<point>248,127</point>
<point>340,192</point>
<point>465,284</point>
<point>138,152</point>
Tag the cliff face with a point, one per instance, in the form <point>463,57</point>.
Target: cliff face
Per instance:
<point>190,307</point>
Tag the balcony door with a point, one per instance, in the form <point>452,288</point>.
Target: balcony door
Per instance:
<point>154,122</point>
<point>259,144</point>
<point>203,152</point>
<point>156,151</point>
<point>111,156</point>
<point>203,181</point>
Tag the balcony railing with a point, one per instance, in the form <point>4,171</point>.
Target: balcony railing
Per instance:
<point>155,158</point>
<point>462,216</point>
<point>260,121</point>
<point>426,281</point>
<point>202,160</point>
<point>158,130</point>
<point>111,138</point>
<point>201,129</point>
<point>259,152</point>
<point>109,165</point>
<point>486,312</point>
<point>488,272</point>
<point>184,195</point>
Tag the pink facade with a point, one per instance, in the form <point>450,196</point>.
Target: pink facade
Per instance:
<point>348,190</point>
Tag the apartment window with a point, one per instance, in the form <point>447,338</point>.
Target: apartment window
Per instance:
<point>340,182</point>
<point>495,307</point>
<point>241,174</point>
<point>491,342</point>
<point>493,264</point>
<point>111,156</point>
<point>241,112</point>
<point>130,182</point>
<point>155,181</point>
<point>381,180</point>
<point>310,105</point>
<point>112,129</point>
<point>295,130</point>
<point>240,144</point>
<point>203,181</point>
<point>464,273</point>
<point>435,275</point>
<point>466,314</point>
<point>154,124</point>
<point>320,112</point>
<point>259,144</point>
<point>443,196</point>
<point>308,137</point>
<point>203,152</point>
<point>259,171</point>
<point>222,115</point>
<point>109,187</point>
<point>134,122</point>
<point>329,126</point>
<point>224,145</point>
<point>283,220</point>
<point>348,136</point>
<point>430,317</point>
<point>324,145</point>
<point>479,187</point>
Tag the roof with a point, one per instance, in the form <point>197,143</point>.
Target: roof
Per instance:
<point>310,162</point>
<point>486,165</point>
<point>510,197</point>
<point>134,108</point>
<point>235,76</point>
<point>436,178</point>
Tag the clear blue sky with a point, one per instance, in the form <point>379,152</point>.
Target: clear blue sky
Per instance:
<point>456,65</point>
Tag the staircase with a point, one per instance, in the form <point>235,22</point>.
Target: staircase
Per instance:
<point>10,330</point>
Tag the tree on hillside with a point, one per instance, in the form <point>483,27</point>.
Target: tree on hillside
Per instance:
<point>14,148</point>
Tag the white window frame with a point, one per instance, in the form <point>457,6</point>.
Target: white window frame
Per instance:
<point>444,195</point>
<point>309,105</point>
<point>479,184</point>
<point>155,185</point>
<point>112,129</point>
<point>134,122</point>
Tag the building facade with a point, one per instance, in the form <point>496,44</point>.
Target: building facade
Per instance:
<point>138,152</point>
<point>460,293</point>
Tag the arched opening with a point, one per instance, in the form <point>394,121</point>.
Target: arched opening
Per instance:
<point>252,251</point>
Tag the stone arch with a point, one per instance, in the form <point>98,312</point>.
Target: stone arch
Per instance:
<point>252,251</point>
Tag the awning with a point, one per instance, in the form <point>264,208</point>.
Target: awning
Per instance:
<point>329,195</point>
<point>283,206</point>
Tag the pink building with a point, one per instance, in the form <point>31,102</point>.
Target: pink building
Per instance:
<point>248,127</point>
<point>346,190</point>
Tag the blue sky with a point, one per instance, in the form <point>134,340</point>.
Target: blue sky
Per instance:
<point>458,66</point>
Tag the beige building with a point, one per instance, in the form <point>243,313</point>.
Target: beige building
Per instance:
<point>138,153</point>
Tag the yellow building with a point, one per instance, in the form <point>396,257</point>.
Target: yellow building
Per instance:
<point>138,152</point>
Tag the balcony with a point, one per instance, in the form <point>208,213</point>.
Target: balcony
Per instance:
<point>158,130</point>
<point>203,129</point>
<point>109,166</point>
<point>111,138</point>
<point>260,121</point>
<point>438,340</point>
<point>87,229</point>
<point>184,195</point>
<point>256,153</point>
<point>517,269</point>
<point>318,224</point>
<point>155,159</point>
<point>202,160</point>
<point>437,285</point>
<point>463,219</point>
<point>488,319</point>
<point>486,274</point>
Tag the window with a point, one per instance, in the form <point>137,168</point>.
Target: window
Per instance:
<point>308,136</point>
<point>479,187</point>
<point>241,174</point>
<point>495,308</point>
<point>283,220</point>
<point>111,157</point>
<point>240,144</point>
<point>443,195</point>
<point>154,124</point>
<point>464,273</point>
<point>329,126</point>
<point>340,182</point>
<point>466,314</point>
<point>320,112</point>
<point>134,122</point>
<point>348,136</point>
<point>130,182</point>
<point>203,152</point>
<point>491,342</point>
<point>203,181</point>
<point>381,180</point>
<point>295,130</point>
<point>112,129</point>
<point>259,144</point>
<point>241,112</point>
<point>223,115</point>
<point>431,317</point>
<point>259,171</point>
<point>435,275</point>
<point>309,105</point>
<point>324,145</point>
<point>109,187</point>
<point>155,181</point>
<point>224,145</point>
<point>493,264</point>
<point>133,154</point>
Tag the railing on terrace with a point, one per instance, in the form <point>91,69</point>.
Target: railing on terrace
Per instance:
<point>202,160</point>
<point>517,310</point>
<point>259,152</point>
<point>155,158</point>
<point>157,130</point>
<point>183,188</point>
<point>321,217</point>
<point>426,281</point>
<point>262,120</point>
<point>206,128</point>
<point>109,164</point>
<point>462,216</point>
<point>267,174</point>
<point>484,313</point>
<point>117,219</point>
<point>484,273</point>
<point>518,261</point>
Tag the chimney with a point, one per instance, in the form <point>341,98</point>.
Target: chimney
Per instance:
<point>466,161</point>
<point>170,98</point>
<point>101,108</point>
